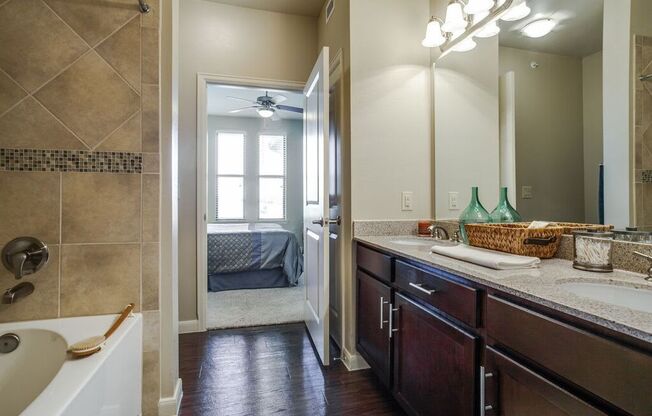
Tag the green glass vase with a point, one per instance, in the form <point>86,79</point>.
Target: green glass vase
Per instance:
<point>473,214</point>
<point>504,212</point>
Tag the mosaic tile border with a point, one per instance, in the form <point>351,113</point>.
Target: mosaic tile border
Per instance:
<point>39,160</point>
<point>646,176</point>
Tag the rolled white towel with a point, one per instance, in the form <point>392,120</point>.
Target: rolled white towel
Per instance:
<point>542,224</point>
<point>487,258</point>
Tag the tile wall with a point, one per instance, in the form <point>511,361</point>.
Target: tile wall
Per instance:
<point>79,153</point>
<point>643,133</point>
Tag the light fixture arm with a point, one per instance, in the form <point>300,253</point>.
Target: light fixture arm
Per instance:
<point>494,14</point>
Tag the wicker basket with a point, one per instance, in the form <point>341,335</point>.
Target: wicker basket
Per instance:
<point>569,227</point>
<point>516,238</point>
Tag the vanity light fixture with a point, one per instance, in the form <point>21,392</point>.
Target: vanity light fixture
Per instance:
<point>265,112</point>
<point>455,18</point>
<point>539,28</point>
<point>434,35</point>
<point>478,6</point>
<point>489,30</point>
<point>517,11</point>
<point>465,45</point>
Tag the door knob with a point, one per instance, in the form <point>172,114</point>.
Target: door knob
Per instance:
<point>323,221</point>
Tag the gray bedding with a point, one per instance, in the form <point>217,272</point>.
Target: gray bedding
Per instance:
<point>233,249</point>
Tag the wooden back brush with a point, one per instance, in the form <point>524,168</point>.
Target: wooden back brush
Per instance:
<point>92,345</point>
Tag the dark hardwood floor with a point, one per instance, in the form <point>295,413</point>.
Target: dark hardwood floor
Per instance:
<point>272,370</point>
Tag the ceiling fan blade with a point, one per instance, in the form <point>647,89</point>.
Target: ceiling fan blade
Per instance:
<point>242,99</point>
<point>290,108</point>
<point>237,110</point>
<point>279,98</point>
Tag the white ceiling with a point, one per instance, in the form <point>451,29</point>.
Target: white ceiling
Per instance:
<point>578,31</point>
<point>220,105</point>
<point>300,7</point>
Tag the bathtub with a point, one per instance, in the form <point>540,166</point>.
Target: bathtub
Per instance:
<point>38,378</point>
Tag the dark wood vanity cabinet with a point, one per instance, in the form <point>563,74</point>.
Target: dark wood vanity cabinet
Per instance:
<point>434,362</point>
<point>373,310</point>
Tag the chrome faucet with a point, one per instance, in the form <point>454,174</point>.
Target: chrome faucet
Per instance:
<point>19,291</point>
<point>438,233</point>
<point>649,270</point>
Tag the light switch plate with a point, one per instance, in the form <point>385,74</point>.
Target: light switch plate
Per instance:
<point>526,192</point>
<point>406,201</point>
<point>453,198</point>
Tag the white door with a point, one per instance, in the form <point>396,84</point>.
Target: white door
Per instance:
<point>315,209</point>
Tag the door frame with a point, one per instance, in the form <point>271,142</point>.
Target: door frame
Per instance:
<point>203,79</point>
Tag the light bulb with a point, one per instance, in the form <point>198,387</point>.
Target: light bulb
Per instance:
<point>265,112</point>
<point>518,11</point>
<point>434,36</point>
<point>455,20</point>
<point>539,28</point>
<point>488,30</point>
<point>478,6</point>
<point>465,45</point>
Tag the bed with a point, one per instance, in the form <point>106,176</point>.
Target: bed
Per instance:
<point>252,256</point>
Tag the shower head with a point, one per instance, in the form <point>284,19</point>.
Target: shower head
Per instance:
<point>144,7</point>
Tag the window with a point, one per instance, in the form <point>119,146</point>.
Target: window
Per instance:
<point>230,174</point>
<point>271,177</point>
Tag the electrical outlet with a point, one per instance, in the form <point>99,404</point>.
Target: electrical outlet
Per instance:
<point>526,192</point>
<point>406,201</point>
<point>453,197</point>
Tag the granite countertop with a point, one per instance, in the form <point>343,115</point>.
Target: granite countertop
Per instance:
<point>540,285</point>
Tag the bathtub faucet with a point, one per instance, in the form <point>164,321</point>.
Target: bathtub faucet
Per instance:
<point>19,291</point>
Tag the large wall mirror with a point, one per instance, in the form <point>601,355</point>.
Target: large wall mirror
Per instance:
<point>561,117</point>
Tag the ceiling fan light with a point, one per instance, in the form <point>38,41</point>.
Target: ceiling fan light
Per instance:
<point>488,30</point>
<point>518,11</point>
<point>434,36</point>
<point>539,28</point>
<point>455,20</point>
<point>478,6</point>
<point>265,112</point>
<point>466,45</point>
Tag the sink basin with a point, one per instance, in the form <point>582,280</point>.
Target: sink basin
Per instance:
<point>629,297</point>
<point>418,242</point>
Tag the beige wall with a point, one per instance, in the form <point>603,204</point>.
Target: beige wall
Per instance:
<point>592,118</point>
<point>549,134</point>
<point>227,40</point>
<point>89,85</point>
<point>391,135</point>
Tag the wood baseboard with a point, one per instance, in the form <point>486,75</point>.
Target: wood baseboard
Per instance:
<point>169,406</point>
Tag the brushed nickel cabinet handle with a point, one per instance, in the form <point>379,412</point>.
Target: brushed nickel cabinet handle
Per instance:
<point>383,302</point>
<point>419,286</point>
<point>483,377</point>
<point>391,319</point>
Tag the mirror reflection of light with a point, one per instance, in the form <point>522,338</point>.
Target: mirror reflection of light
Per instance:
<point>539,28</point>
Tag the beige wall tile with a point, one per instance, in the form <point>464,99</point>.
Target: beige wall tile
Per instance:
<point>95,20</point>
<point>150,262</point>
<point>151,331</point>
<point>150,55</point>
<point>150,207</point>
<point>151,163</point>
<point>124,139</point>
<point>100,207</point>
<point>151,19</point>
<point>44,302</point>
<point>90,98</point>
<point>99,279</point>
<point>36,44</point>
<point>122,52</point>
<point>151,384</point>
<point>30,126</point>
<point>646,217</point>
<point>150,118</point>
<point>29,206</point>
<point>10,92</point>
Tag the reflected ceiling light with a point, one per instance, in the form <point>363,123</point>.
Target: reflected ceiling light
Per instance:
<point>434,36</point>
<point>455,19</point>
<point>478,6</point>
<point>265,112</point>
<point>539,28</point>
<point>488,30</point>
<point>518,11</point>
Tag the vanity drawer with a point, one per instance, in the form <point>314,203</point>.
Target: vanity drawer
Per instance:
<point>378,264</point>
<point>452,298</point>
<point>613,372</point>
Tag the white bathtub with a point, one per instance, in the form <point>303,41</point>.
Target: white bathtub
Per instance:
<point>39,378</point>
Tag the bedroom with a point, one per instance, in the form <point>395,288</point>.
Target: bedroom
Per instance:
<point>254,189</point>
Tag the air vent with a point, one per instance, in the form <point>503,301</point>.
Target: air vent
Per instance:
<point>330,7</point>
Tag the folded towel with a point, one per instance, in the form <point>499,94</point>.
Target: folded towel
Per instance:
<point>488,258</point>
<point>542,224</point>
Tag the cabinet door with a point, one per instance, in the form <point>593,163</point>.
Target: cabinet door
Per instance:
<point>435,363</point>
<point>513,390</point>
<point>373,341</point>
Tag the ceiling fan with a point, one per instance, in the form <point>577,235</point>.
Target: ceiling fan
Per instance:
<point>267,106</point>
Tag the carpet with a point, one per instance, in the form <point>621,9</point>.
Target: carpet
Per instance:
<point>254,307</point>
